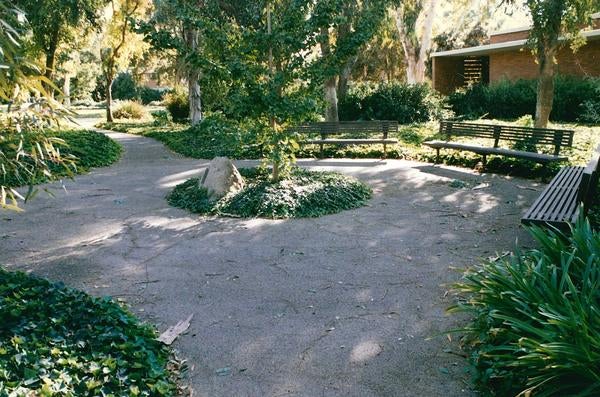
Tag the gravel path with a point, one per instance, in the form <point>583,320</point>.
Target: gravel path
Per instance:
<point>344,305</point>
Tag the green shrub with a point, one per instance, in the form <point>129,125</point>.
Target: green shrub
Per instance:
<point>536,325</point>
<point>396,101</point>
<point>214,136</point>
<point>302,194</point>
<point>58,341</point>
<point>148,94</point>
<point>124,87</point>
<point>161,117</point>
<point>178,105</point>
<point>89,148</point>
<point>512,99</point>
<point>131,110</point>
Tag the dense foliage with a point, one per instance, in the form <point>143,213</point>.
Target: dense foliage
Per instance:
<point>302,194</point>
<point>58,341</point>
<point>124,87</point>
<point>86,149</point>
<point>178,105</point>
<point>536,328</point>
<point>394,101</point>
<point>575,99</point>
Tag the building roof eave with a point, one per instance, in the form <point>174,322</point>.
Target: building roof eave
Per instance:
<point>499,47</point>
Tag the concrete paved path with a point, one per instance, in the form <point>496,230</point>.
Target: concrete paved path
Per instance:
<point>343,305</point>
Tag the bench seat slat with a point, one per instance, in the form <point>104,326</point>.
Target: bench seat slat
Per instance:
<point>350,141</point>
<point>484,150</point>
<point>557,205</point>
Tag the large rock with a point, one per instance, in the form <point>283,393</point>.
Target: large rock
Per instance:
<point>221,178</point>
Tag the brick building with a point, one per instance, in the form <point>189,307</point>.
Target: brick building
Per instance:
<point>506,57</point>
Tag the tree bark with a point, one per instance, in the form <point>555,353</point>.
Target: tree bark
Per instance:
<point>67,90</point>
<point>545,88</point>
<point>331,113</point>
<point>109,115</point>
<point>50,53</point>
<point>416,48</point>
<point>194,91</point>
<point>330,84</point>
<point>344,78</point>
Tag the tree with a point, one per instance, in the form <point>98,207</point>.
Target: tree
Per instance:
<point>52,23</point>
<point>414,21</point>
<point>344,28</point>
<point>120,43</point>
<point>26,152</point>
<point>556,23</point>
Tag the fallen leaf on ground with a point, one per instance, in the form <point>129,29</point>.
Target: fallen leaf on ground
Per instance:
<point>173,332</point>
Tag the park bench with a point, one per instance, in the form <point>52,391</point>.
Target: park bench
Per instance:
<point>561,201</point>
<point>513,134</point>
<point>327,129</point>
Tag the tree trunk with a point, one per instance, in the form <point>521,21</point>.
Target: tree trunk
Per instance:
<point>416,47</point>
<point>194,92</point>
<point>67,90</point>
<point>545,88</point>
<point>331,113</point>
<point>109,115</point>
<point>51,60</point>
<point>344,78</point>
<point>330,84</point>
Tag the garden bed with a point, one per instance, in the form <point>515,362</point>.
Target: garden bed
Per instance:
<point>58,341</point>
<point>302,194</point>
<point>88,149</point>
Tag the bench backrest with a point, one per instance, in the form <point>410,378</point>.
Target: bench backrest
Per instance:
<point>332,128</point>
<point>589,180</point>
<point>542,136</point>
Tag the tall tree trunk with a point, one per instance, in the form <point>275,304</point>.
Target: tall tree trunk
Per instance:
<point>330,84</point>
<point>193,76</point>
<point>67,90</point>
<point>109,115</point>
<point>50,53</point>
<point>545,88</point>
<point>331,113</point>
<point>416,39</point>
<point>344,78</point>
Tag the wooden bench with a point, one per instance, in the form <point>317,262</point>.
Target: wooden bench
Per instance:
<point>537,136</point>
<point>326,129</point>
<point>560,202</point>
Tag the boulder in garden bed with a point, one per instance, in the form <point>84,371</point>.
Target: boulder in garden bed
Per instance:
<point>221,178</point>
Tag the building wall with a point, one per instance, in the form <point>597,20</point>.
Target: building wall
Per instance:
<point>447,74</point>
<point>520,64</point>
<point>504,37</point>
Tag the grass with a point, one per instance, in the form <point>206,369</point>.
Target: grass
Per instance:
<point>58,341</point>
<point>192,144</point>
<point>303,194</point>
<point>536,317</point>
<point>90,150</point>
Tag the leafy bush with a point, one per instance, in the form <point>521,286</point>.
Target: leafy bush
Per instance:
<point>148,95</point>
<point>88,148</point>
<point>302,194</point>
<point>178,105</point>
<point>58,341</point>
<point>124,87</point>
<point>214,136</point>
<point>536,325</point>
<point>512,99</point>
<point>395,101</point>
<point>131,110</point>
<point>161,117</point>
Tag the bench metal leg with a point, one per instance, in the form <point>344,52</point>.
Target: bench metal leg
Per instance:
<point>321,151</point>
<point>384,151</point>
<point>484,160</point>
<point>437,155</point>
